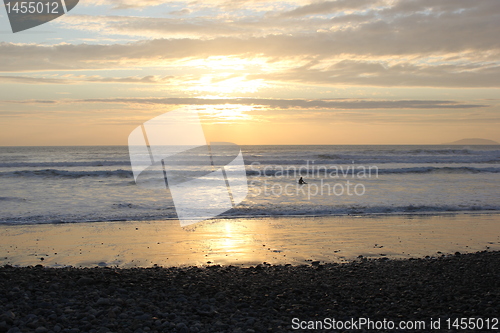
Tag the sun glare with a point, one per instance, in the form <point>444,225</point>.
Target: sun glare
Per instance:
<point>226,84</point>
<point>226,76</point>
<point>226,113</point>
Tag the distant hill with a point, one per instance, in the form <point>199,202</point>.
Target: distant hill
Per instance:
<point>473,142</point>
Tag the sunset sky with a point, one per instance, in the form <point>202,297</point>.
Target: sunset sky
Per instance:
<point>261,72</point>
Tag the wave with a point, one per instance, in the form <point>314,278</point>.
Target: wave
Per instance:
<point>424,151</point>
<point>248,212</point>
<point>441,170</point>
<point>67,174</point>
<point>355,209</point>
<point>375,159</point>
<point>419,151</point>
<point>63,164</point>
<point>13,199</point>
<point>314,171</point>
<point>378,156</point>
<point>300,158</point>
<point>350,171</point>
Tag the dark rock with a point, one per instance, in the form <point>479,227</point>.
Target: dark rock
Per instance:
<point>182,328</point>
<point>14,330</point>
<point>4,327</point>
<point>260,299</point>
<point>8,316</point>
<point>85,281</point>
<point>103,301</point>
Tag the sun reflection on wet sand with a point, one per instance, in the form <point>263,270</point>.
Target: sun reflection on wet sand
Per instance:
<point>247,241</point>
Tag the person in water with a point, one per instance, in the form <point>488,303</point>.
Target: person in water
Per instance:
<point>301,181</point>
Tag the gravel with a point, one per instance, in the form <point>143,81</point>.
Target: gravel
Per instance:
<point>262,298</point>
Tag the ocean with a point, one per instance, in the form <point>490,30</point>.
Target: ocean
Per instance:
<point>42,185</point>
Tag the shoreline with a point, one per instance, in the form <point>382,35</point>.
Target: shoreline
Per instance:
<point>247,242</point>
<point>254,299</point>
<point>263,216</point>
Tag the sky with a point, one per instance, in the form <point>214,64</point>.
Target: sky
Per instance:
<point>259,72</point>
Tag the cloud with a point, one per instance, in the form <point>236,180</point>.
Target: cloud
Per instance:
<point>180,12</point>
<point>32,80</point>
<point>223,4</point>
<point>125,4</point>
<point>26,57</point>
<point>149,79</point>
<point>326,7</point>
<point>411,43</point>
<point>370,27</point>
<point>303,104</point>
<point>360,73</point>
<point>158,27</point>
<point>379,73</point>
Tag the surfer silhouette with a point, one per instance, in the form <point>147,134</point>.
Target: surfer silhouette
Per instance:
<point>301,181</point>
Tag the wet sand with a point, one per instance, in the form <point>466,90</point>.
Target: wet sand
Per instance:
<point>245,242</point>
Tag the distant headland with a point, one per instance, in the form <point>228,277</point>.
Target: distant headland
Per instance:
<point>473,142</point>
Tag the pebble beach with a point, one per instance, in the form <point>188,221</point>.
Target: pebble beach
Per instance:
<point>260,298</point>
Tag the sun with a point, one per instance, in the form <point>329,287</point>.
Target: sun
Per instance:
<point>227,76</point>
<point>226,84</point>
<point>224,113</point>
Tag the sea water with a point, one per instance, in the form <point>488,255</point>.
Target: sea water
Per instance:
<point>82,184</point>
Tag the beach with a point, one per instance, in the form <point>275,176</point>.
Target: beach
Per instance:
<point>418,293</point>
<point>252,275</point>
<point>85,249</point>
<point>247,241</point>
